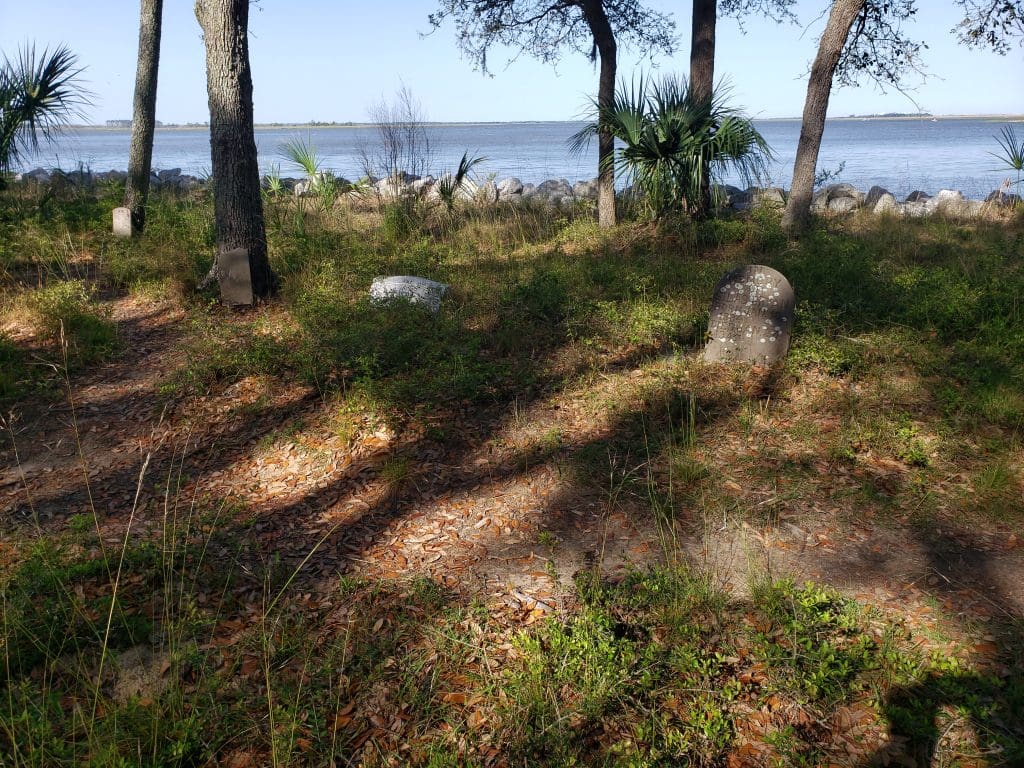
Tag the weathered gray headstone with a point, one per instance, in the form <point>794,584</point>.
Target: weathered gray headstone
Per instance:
<point>416,290</point>
<point>751,317</point>
<point>123,222</point>
<point>235,277</point>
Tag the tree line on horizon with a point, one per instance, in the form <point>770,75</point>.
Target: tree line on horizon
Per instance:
<point>862,39</point>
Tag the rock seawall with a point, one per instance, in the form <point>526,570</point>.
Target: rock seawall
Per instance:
<point>836,199</point>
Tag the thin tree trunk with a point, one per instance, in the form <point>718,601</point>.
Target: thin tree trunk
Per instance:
<point>702,49</point>
<point>819,87</point>
<point>604,41</point>
<point>702,77</point>
<point>140,155</point>
<point>237,204</point>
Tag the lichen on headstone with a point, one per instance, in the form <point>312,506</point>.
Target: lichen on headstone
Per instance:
<point>751,317</point>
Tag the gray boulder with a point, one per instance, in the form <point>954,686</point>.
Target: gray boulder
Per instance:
<point>40,175</point>
<point>769,197</point>
<point>886,204</point>
<point>916,209</point>
<point>740,199</point>
<point>836,191</point>
<point>392,188</point>
<point>947,202</point>
<point>585,190</point>
<point>875,194</point>
<point>554,188</point>
<point>1003,199</point>
<point>528,191</point>
<point>843,204</point>
<point>723,195</point>
<point>420,186</point>
<point>509,187</point>
<point>486,193</point>
<point>917,196</point>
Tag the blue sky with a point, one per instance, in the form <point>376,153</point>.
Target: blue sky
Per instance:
<point>320,60</point>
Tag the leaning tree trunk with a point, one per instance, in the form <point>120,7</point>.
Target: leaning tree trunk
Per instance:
<point>604,41</point>
<point>140,155</point>
<point>819,87</point>
<point>237,204</point>
<point>702,78</point>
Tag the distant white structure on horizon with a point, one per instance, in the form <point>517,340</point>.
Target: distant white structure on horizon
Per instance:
<point>125,123</point>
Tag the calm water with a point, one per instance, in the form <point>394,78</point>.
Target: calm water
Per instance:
<point>901,155</point>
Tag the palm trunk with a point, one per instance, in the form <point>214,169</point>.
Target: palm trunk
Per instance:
<point>140,155</point>
<point>237,204</point>
<point>604,41</point>
<point>702,78</point>
<point>819,87</point>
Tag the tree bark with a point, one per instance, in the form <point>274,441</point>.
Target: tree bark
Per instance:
<point>702,77</point>
<point>604,41</point>
<point>140,155</point>
<point>819,87</point>
<point>702,49</point>
<point>237,204</point>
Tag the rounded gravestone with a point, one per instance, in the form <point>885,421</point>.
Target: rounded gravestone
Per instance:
<point>751,317</point>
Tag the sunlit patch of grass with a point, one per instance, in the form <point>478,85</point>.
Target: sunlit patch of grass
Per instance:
<point>65,312</point>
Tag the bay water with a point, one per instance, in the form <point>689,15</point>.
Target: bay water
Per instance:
<point>901,155</point>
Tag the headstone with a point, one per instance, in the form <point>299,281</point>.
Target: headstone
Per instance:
<point>751,317</point>
<point>415,290</point>
<point>235,277</point>
<point>123,222</point>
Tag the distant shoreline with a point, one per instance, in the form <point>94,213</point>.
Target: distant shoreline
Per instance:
<point>455,124</point>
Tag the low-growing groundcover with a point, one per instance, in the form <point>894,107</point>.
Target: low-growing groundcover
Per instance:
<point>241,634</point>
<point>656,670</point>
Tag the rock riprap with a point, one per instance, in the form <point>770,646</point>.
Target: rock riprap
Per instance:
<point>415,290</point>
<point>751,317</point>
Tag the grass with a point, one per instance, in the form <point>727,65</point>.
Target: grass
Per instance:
<point>189,641</point>
<point>653,670</point>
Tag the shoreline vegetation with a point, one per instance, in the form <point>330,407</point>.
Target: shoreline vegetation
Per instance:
<point>1013,118</point>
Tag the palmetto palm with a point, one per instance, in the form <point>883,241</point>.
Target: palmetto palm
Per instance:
<point>672,145</point>
<point>1012,153</point>
<point>38,96</point>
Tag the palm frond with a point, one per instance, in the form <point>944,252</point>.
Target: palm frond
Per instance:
<point>39,95</point>
<point>1012,154</point>
<point>303,155</point>
<point>672,145</point>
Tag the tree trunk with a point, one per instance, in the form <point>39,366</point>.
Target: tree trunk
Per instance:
<point>140,156</point>
<point>237,204</point>
<point>702,78</point>
<point>840,20</point>
<point>702,49</point>
<point>604,41</point>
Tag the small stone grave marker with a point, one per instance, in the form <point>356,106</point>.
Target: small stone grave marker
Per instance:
<point>751,317</point>
<point>415,290</point>
<point>123,222</point>
<point>235,277</point>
